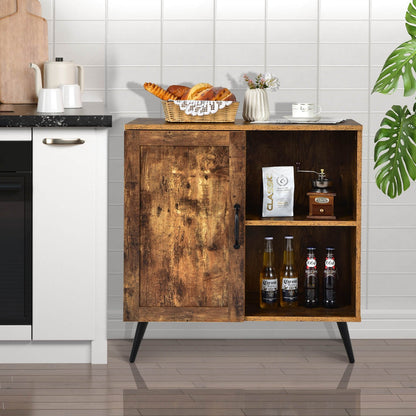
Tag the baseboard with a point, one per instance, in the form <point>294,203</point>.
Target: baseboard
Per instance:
<point>374,325</point>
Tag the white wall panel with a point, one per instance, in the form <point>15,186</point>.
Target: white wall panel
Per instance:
<point>120,31</point>
<point>386,9</point>
<point>67,31</point>
<point>188,9</point>
<point>190,54</point>
<point>133,54</point>
<point>188,31</point>
<point>82,53</point>
<point>125,76</point>
<point>340,9</point>
<point>79,10</point>
<point>294,9</point>
<point>133,9</point>
<point>239,54</point>
<point>389,31</point>
<point>240,9</point>
<point>331,31</point>
<point>292,54</point>
<point>292,31</point>
<point>228,31</point>
<point>346,54</point>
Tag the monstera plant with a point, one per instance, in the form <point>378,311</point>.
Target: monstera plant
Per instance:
<point>395,141</point>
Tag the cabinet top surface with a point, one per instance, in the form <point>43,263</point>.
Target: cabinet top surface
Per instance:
<point>25,115</point>
<point>160,124</point>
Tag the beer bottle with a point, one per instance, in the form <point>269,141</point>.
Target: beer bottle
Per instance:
<point>269,293</point>
<point>311,280</point>
<point>288,277</point>
<point>330,280</point>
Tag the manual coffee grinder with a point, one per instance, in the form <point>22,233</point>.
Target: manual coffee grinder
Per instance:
<point>321,197</point>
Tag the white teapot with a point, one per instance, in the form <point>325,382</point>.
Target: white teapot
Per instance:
<point>57,73</point>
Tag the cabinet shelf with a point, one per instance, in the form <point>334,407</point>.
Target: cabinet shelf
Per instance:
<point>298,220</point>
<point>300,313</point>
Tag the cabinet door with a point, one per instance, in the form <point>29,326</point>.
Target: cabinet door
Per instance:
<point>181,258</point>
<point>64,232</point>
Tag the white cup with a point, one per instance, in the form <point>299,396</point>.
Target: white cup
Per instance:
<point>71,95</point>
<point>50,101</point>
<point>305,110</point>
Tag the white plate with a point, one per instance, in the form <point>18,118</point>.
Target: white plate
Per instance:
<point>302,119</point>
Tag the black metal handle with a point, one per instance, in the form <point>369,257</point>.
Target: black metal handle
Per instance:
<point>237,226</point>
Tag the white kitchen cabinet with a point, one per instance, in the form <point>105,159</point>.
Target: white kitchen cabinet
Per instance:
<point>70,235</point>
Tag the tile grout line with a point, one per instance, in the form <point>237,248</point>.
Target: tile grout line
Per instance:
<point>368,161</point>
<point>53,28</point>
<point>162,16</point>
<point>214,45</point>
<point>318,52</point>
<point>266,7</point>
<point>106,54</point>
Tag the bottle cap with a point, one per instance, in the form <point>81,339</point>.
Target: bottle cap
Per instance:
<point>310,248</point>
<point>289,237</point>
<point>330,248</point>
<point>268,238</point>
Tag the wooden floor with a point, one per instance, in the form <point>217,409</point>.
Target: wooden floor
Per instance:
<point>222,377</point>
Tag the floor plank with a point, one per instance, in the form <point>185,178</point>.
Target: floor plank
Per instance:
<point>221,378</point>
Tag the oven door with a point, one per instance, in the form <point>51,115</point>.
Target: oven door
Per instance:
<point>15,250</point>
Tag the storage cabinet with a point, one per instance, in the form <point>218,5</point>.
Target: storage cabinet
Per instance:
<point>69,233</point>
<point>183,183</point>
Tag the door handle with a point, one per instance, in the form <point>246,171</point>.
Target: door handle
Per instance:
<point>63,141</point>
<point>237,226</point>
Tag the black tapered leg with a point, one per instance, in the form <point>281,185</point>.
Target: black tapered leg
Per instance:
<point>140,330</point>
<point>343,330</point>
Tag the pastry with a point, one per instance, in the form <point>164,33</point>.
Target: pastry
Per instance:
<point>159,92</point>
<point>178,90</point>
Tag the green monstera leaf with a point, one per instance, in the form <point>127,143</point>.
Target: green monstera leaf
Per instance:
<point>395,151</point>
<point>401,61</point>
<point>411,19</point>
<point>399,64</point>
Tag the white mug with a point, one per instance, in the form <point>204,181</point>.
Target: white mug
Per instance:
<point>305,110</point>
<point>71,95</point>
<point>50,101</point>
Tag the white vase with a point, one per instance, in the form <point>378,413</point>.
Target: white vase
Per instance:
<point>256,105</point>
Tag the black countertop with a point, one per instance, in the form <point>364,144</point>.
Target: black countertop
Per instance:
<point>25,115</point>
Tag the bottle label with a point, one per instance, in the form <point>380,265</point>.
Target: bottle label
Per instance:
<point>269,290</point>
<point>310,263</point>
<point>330,262</point>
<point>290,289</point>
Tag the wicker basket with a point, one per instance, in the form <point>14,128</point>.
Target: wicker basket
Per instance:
<point>174,114</point>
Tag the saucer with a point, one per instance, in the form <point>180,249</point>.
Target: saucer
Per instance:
<point>302,119</point>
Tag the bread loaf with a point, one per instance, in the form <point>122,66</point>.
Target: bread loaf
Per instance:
<point>196,89</point>
<point>159,91</point>
<point>178,90</point>
<point>215,94</point>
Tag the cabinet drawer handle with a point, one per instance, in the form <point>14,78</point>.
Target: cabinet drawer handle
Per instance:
<point>237,227</point>
<point>63,141</point>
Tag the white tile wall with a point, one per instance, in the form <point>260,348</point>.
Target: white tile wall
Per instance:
<point>329,51</point>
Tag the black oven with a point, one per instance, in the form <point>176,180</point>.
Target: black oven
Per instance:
<point>15,232</point>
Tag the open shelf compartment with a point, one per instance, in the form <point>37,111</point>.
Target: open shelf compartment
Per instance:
<point>334,151</point>
<point>347,256</point>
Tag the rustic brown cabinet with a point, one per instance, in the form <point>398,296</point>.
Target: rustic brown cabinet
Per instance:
<point>193,226</point>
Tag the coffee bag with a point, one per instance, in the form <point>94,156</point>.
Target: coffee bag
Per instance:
<point>278,191</point>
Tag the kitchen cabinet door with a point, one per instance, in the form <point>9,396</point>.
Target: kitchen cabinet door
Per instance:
<point>184,193</point>
<point>69,232</point>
